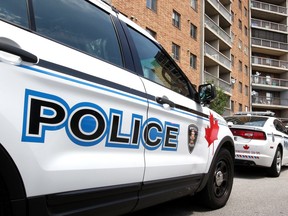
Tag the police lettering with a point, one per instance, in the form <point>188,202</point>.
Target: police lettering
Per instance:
<point>87,124</point>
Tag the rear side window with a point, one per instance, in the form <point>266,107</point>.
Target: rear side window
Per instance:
<point>79,24</point>
<point>14,11</point>
<point>247,120</point>
<point>157,66</point>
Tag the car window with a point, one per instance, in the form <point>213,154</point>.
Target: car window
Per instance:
<point>279,126</point>
<point>80,25</point>
<point>157,66</point>
<point>247,120</point>
<point>17,15</point>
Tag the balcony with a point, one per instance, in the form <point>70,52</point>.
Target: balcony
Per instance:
<point>217,56</point>
<point>271,82</point>
<point>269,44</point>
<point>269,25</point>
<point>269,7</point>
<point>268,101</point>
<point>219,7</point>
<point>218,31</point>
<point>268,62</point>
<point>217,82</point>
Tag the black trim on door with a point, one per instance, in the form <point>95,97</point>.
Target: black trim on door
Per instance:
<point>160,191</point>
<point>106,201</point>
<point>113,200</point>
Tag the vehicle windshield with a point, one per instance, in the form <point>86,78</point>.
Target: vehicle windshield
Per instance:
<point>247,120</point>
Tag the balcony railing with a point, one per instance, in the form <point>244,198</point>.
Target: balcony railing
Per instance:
<point>269,44</point>
<point>269,7</point>
<point>269,81</point>
<point>268,25</point>
<point>222,9</point>
<point>219,31</point>
<point>217,82</point>
<point>262,100</point>
<point>269,62</point>
<point>217,55</point>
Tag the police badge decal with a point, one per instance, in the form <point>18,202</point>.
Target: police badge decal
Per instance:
<point>192,137</point>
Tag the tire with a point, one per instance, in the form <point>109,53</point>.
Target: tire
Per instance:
<point>5,208</point>
<point>275,169</point>
<point>219,185</point>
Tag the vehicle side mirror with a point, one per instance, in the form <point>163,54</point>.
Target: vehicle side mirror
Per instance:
<point>207,92</point>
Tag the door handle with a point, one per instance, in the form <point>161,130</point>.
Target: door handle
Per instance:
<point>164,100</point>
<point>10,49</point>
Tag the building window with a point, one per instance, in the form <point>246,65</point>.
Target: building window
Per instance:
<point>175,51</point>
<point>240,44</point>
<point>240,87</point>
<point>194,4</point>
<point>232,60</point>
<point>151,4</point>
<point>240,107</point>
<point>246,50</point>
<point>176,19</point>
<point>232,105</point>
<point>240,24</point>
<point>245,12</point>
<point>151,32</point>
<point>193,61</point>
<point>246,70</point>
<point>246,90</point>
<point>193,31</point>
<point>240,4</point>
<point>240,66</point>
<point>232,16</point>
<point>246,31</point>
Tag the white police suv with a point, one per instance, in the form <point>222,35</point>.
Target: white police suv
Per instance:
<point>97,119</point>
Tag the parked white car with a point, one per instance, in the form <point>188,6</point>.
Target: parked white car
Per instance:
<point>260,140</point>
<point>97,119</point>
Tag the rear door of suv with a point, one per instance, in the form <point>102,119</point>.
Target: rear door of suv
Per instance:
<point>72,109</point>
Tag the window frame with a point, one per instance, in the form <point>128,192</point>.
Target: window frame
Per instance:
<point>176,19</point>
<point>193,61</point>
<point>191,89</point>
<point>152,5</point>
<point>193,31</point>
<point>175,55</point>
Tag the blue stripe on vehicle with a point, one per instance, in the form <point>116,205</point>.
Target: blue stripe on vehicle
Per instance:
<point>135,94</point>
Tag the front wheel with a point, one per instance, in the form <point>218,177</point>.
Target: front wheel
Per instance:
<point>219,185</point>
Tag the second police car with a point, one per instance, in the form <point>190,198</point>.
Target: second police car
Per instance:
<point>261,139</point>
<point>96,116</point>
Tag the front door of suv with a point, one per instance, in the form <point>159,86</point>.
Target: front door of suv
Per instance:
<point>77,110</point>
<point>175,128</point>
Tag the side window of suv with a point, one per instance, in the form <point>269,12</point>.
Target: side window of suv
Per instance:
<point>157,66</point>
<point>17,15</point>
<point>81,25</point>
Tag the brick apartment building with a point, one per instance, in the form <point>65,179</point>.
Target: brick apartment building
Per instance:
<point>209,39</point>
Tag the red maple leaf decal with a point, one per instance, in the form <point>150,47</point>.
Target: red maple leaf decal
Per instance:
<point>246,147</point>
<point>212,131</point>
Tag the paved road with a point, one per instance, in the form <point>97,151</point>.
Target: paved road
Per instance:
<point>253,194</point>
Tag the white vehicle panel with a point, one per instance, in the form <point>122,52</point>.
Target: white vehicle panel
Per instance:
<point>58,152</point>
